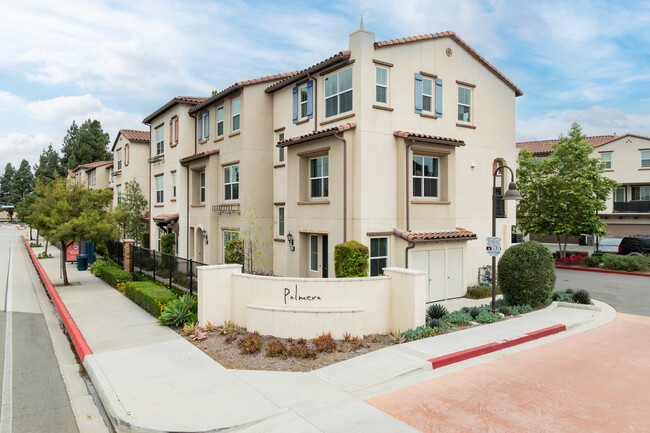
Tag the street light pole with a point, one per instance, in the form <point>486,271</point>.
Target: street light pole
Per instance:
<point>511,194</point>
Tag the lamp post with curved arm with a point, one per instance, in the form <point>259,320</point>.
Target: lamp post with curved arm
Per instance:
<point>511,194</point>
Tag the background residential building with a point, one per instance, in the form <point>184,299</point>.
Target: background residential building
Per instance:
<point>130,154</point>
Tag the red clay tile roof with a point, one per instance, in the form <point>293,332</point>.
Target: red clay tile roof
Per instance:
<point>428,138</point>
<point>462,43</point>
<point>543,147</point>
<point>239,85</point>
<point>336,58</point>
<point>166,218</point>
<point>316,134</point>
<point>132,135</point>
<point>459,234</point>
<point>192,100</point>
<point>90,165</point>
<point>198,156</point>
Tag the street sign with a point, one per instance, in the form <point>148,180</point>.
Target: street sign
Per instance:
<point>493,246</point>
<point>8,206</point>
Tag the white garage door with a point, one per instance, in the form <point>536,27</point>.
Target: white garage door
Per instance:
<point>444,270</point>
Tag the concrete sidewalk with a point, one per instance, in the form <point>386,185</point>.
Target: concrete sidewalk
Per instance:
<point>151,379</point>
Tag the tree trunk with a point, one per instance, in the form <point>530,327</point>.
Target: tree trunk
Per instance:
<point>47,242</point>
<point>31,238</point>
<point>37,235</point>
<point>63,269</point>
<point>559,244</point>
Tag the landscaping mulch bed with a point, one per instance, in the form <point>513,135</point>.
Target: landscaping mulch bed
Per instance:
<point>229,355</point>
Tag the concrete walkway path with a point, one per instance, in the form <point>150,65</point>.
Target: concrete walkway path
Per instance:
<point>151,379</point>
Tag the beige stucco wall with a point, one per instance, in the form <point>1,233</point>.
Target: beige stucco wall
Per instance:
<point>306,307</point>
<point>137,169</point>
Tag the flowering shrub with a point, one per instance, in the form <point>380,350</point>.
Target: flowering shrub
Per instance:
<point>571,260</point>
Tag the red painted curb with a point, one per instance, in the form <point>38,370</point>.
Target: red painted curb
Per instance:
<point>453,358</point>
<point>604,271</point>
<point>75,335</point>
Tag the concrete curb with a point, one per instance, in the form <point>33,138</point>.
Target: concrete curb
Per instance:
<point>578,306</point>
<point>71,327</point>
<point>604,271</point>
<point>462,355</point>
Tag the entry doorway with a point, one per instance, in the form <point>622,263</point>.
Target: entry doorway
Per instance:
<point>324,255</point>
<point>444,269</point>
<point>318,258</point>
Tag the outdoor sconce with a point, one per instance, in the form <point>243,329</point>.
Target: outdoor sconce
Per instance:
<point>290,239</point>
<point>205,236</point>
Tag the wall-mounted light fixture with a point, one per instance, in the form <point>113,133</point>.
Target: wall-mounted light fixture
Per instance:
<point>205,236</point>
<point>290,240</point>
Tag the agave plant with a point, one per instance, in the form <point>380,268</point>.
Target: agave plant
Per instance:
<point>582,297</point>
<point>177,311</point>
<point>436,311</point>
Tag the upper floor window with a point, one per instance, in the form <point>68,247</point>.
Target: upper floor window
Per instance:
<point>607,159</point>
<point>173,184</point>
<point>619,194</point>
<point>231,182</point>
<point>338,93</point>
<point>381,85</point>
<point>281,221</point>
<point>428,94</point>
<point>235,115</point>
<point>425,176</point>
<point>645,158</point>
<point>89,176</point>
<point>318,177</point>
<point>160,189</point>
<point>280,149</point>
<point>464,104</point>
<point>206,125</point>
<point>119,159</point>
<point>303,101</point>
<point>200,128</point>
<point>118,191</point>
<point>220,121</point>
<point>160,141</point>
<point>378,256</point>
<point>641,192</point>
<point>173,131</point>
<point>202,187</point>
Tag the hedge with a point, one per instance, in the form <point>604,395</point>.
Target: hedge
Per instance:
<point>168,243</point>
<point>625,263</point>
<point>110,273</point>
<point>150,296</point>
<point>351,260</point>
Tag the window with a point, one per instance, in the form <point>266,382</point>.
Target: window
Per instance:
<point>280,149</point>
<point>126,154</point>
<point>313,253</point>
<point>220,121</point>
<point>200,128</point>
<point>160,141</point>
<point>427,95</point>
<point>641,192</point>
<point>160,187</point>
<point>231,182</point>
<point>607,159</point>
<point>464,104</point>
<point>89,176</point>
<point>119,159</point>
<point>303,101</point>
<point>338,93</point>
<point>173,184</point>
<point>381,85</point>
<point>281,221</point>
<point>229,235</point>
<point>118,190</point>
<point>378,256</point>
<point>173,131</point>
<point>645,158</point>
<point>202,187</point>
<point>160,233</point>
<point>302,97</point>
<point>235,115</point>
<point>425,176</point>
<point>318,177</point>
<point>619,195</point>
<point>206,125</point>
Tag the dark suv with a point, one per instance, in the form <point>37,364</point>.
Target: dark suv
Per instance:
<point>638,244</point>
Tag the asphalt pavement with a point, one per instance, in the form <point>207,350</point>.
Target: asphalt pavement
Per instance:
<point>34,397</point>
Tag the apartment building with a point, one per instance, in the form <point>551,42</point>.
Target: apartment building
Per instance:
<point>94,175</point>
<point>627,161</point>
<point>393,144</point>
<point>130,153</point>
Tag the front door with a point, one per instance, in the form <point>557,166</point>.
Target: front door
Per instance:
<point>325,275</point>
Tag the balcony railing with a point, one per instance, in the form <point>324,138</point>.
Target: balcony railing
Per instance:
<point>636,206</point>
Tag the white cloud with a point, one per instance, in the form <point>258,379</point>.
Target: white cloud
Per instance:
<point>15,147</point>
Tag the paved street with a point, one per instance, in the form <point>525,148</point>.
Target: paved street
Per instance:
<point>34,397</point>
<point>596,381</point>
<point>627,294</point>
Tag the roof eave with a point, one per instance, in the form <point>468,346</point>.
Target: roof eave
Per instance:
<point>337,58</point>
<point>221,95</point>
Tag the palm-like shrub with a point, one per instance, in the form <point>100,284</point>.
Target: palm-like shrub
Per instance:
<point>436,311</point>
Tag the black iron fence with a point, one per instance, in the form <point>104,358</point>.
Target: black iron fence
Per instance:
<point>174,271</point>
<point>116,251</point>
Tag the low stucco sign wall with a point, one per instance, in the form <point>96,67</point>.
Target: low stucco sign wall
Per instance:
<point>307,307</point>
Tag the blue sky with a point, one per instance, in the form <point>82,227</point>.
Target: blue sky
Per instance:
<point>117,61</point>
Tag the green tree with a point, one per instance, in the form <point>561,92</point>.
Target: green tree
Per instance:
<point>562,194</point>
<point>129,212</point>
<point>71,213</point>
<point>49,165</point>
<point>6,183</point>
<point>88,143</point>
<point>23,181</point>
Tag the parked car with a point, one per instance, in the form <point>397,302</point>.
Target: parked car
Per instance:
<point>638,244</point>
<point>608,245</point>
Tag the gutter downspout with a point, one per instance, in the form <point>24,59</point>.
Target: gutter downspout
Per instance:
<point>187,194</point>
<point>315,106</point>
<point>406,185</point>
<point>345,185</point>
<point>406,254</point>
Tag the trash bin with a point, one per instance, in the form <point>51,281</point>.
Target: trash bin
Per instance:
<point>82,262</point>
<point>583,240</point>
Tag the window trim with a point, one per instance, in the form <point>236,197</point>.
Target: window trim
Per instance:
<point>423,177</point>
<point>160,193</point>
<point>338,93</point>
<point>371,258</point>
<point>322,178</point>
<point>237,115</point>
<point>471,99</point>
<point>313,254</point>
<point>226,185</point>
